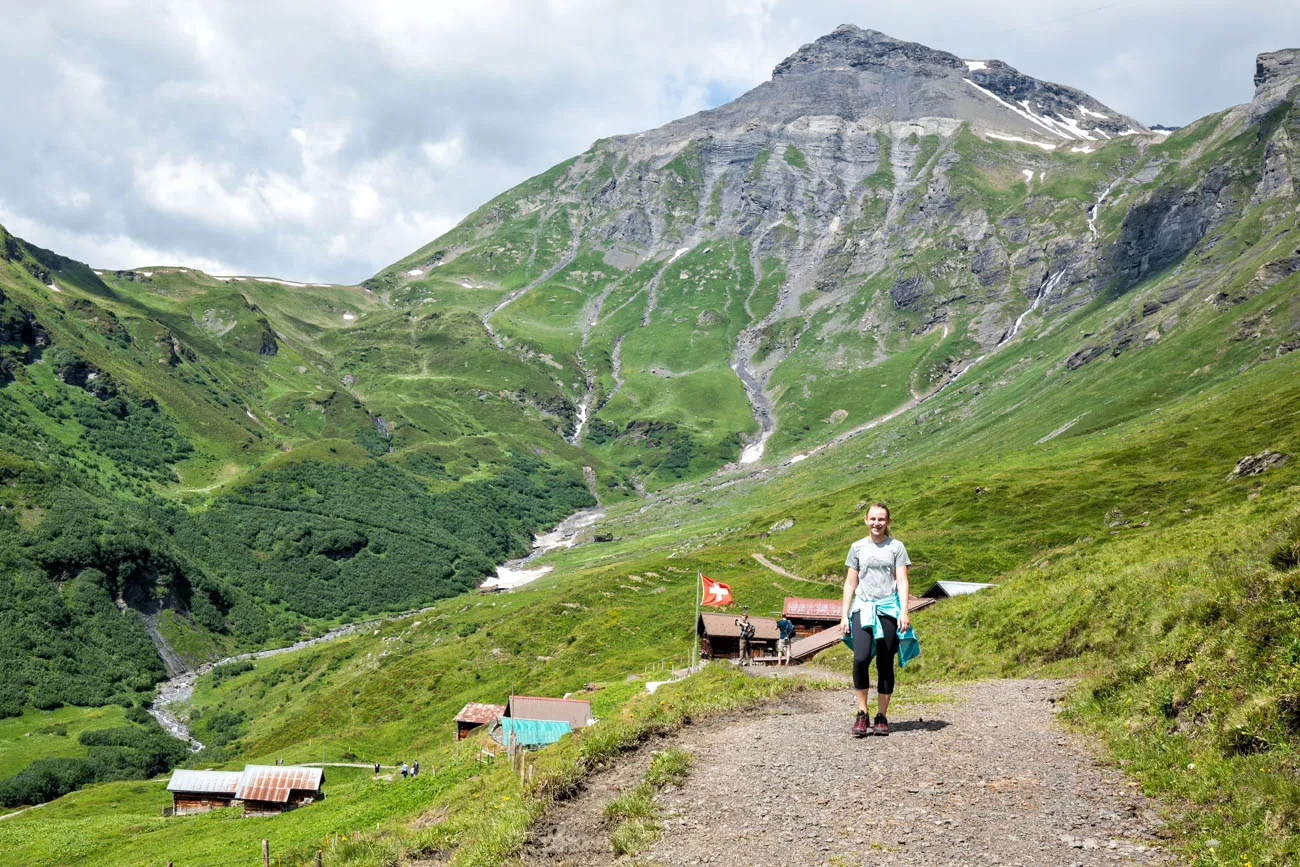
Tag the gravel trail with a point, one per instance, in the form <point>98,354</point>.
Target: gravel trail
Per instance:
<point>985,776</point>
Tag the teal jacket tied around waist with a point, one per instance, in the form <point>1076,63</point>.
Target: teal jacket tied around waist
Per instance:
<point>908,647</point>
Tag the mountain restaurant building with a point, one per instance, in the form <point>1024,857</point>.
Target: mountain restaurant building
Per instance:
<point>720,636</point>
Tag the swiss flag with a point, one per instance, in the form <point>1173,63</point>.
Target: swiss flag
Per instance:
<point>715,592</point>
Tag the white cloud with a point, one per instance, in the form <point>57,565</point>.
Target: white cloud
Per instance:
<point>443,154</point>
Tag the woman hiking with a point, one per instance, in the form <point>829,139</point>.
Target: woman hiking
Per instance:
<point>874,614</point>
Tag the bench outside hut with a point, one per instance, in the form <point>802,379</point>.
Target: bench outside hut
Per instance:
<point>200,791</point>
<point>720,636</point>
<point>270,789</point>
<point>474,715</point>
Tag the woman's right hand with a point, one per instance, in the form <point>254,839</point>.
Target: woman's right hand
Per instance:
<point>844,626</point>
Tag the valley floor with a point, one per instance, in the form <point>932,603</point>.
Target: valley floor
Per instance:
<point>982,774</point>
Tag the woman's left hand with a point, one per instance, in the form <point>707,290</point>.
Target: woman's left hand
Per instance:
<point>904,623</point>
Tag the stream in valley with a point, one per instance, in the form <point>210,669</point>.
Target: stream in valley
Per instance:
<point>515,573</point>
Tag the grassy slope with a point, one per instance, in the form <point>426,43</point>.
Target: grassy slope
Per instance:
<point>50,733</point>
<point>1122,605</point>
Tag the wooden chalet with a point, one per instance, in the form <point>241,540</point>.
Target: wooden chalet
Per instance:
<point>576,712</point>
<point>476,714</point>
<point>270,789</point>
<point>720,636</point>
<point>200,791</point>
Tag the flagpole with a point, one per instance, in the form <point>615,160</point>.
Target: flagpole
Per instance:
<point>695,624</point>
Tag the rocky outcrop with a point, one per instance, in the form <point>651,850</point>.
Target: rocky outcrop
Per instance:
<point>22,338</point>
<point>1166,226</point>
<point>1277,75</point>
<point>269,347</point>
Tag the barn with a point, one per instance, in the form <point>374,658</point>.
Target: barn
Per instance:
<point>476,714</point>
<point>270,789</point>
<point>575,712</point>
<point>200,791</point>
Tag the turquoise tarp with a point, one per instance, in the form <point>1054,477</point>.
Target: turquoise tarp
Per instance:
<point>530,732</point>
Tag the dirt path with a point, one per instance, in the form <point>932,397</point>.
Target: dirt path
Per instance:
<point>987,777</point>
<point>768,564</point>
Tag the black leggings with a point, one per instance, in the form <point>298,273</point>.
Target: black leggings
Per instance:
<point>886,646</point>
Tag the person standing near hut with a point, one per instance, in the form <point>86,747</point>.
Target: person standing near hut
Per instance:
<point>784,639</point>
<point>746,637</point>
<point>874,613</point>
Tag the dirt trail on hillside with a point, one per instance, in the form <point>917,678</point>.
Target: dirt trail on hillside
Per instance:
<point>985,777</point>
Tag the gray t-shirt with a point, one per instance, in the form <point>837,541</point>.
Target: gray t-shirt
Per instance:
<point>876,565</point>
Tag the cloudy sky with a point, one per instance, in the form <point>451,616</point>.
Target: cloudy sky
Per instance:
<point>323,140</point>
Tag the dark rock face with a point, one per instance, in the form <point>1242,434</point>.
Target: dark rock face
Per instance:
<point>907,293</point>
<point>1165,227</point>
<point>21,338</point>
<point>269,346</point>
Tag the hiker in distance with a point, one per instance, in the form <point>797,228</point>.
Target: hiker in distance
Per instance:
<point>874,613</point>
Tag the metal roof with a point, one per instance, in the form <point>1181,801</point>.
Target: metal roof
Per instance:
<point>820,609</point>
<point>724,626</point>
<point>273,783</point>
<point>480,713</point>
<point>205,782</point>
<point>944,589</point>
<point>576,712</point>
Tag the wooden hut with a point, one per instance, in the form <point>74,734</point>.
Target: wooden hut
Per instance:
<point>720,636</point>
<point>810,616</point>
<point>270,789</point>
<point>200,791</point>
<point>576,712</point>
<point>476,714</point>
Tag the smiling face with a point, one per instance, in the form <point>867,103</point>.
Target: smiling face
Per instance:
<point>877,521</point>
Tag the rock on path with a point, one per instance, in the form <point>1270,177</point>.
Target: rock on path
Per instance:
<point>985,778</point>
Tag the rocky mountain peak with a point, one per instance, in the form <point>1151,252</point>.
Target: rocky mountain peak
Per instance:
<point>850,47</point>
<point>1277,74</point>
<point>868,81</point>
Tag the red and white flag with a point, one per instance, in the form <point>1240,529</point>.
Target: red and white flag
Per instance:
<point>715,592</point>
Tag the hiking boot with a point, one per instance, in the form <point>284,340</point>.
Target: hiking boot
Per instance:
<point>860,727</point>
<point>881,725</point>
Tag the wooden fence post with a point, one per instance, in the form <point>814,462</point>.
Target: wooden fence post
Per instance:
<point>266,853</point>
